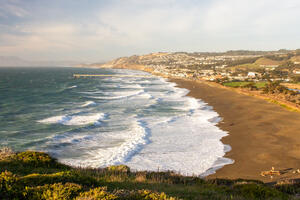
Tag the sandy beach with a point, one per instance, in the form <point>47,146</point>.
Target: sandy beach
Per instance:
<point>261,134</point>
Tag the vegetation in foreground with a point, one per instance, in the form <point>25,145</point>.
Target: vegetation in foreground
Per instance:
<point>35,175</point>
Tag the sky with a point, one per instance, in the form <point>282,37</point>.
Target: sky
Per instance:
<point>100,30</point>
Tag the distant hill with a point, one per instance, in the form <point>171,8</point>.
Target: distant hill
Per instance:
<point>7,61</point>
<point>92,65</point>
<point>14,61</point>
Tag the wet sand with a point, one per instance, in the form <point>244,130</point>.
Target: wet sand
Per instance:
<point>261,134</point>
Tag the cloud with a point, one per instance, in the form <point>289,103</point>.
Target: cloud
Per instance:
<point>261,17</point>
<point>38,39</point>
<point>107,29</point>
<point>12,9</point>
<point>145,22</point>
<point>131,27</point>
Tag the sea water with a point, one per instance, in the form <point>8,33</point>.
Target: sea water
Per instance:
<point>146,122</point>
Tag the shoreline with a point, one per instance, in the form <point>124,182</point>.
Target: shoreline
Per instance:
<point>268,98</point>
<point>262,133</point>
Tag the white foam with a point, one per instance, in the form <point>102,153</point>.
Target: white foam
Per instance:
<point>73,86</point>
<point>88,103</point>
<point>91,92</point>
<point>132,141</point>
<point>132,86</point>
<point>145,95</point>
<point>119,95</point>
<point>74,120</point>
<point>189,145</point>
<point>54,120</point>
<point>85,119</point>
<point>191,104</point>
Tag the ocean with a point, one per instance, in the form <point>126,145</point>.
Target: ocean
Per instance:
<point>146,123</point>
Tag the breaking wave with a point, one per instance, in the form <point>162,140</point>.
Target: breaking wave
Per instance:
<point>74,120</point>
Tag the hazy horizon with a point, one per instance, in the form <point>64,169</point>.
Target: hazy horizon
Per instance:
<point>102,30</point>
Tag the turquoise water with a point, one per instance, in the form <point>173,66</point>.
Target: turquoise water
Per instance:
<point>146,123</point>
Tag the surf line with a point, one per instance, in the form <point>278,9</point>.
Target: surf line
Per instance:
<point>109,75</point>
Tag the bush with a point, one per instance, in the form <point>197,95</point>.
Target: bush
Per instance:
<point>102,193</point>
<point>36,159</point>
<point>62,177</point>
<point>147,194</point>
<point>8,186</point>
<point>274,87</point>
<point>57,191</point>
<point>119,168</point>
<point>96,193</point>
<point>140,195</point>
<point>256,191</point>
<point>30,162</point>
<point>251,86</point>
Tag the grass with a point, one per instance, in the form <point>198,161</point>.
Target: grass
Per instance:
<point>283,105</point>
<point>251,66</point>
<point>244,83</point>
<point>267,61</point>
<point>248,67</point>
<point>35,175</point>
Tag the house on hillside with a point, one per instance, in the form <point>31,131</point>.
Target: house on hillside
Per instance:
<point>269,66</point>
<point>207,72</point>
<point>296,71</point>
<point>254,74</point>
<point>251,74</point>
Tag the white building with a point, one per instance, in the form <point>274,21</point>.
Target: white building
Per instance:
<point>296,71</point>
<point>251,74</point>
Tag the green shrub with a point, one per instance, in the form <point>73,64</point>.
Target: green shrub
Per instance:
<point>62,177</point>
<point>251,86</point>
<point>147,194</point>
<point>275,87</point>
<point>30,162</point>
<point>289,187</point>
<point>119,168</point>
<point>256,191</point>
<point>8,186</point>
<point>96,193</point>
<point>57,191</point>
<point>36,159</point>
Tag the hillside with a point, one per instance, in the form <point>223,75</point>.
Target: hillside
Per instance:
<point>35,175</point>
<point>295,59</point>
<point>266,61</point>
